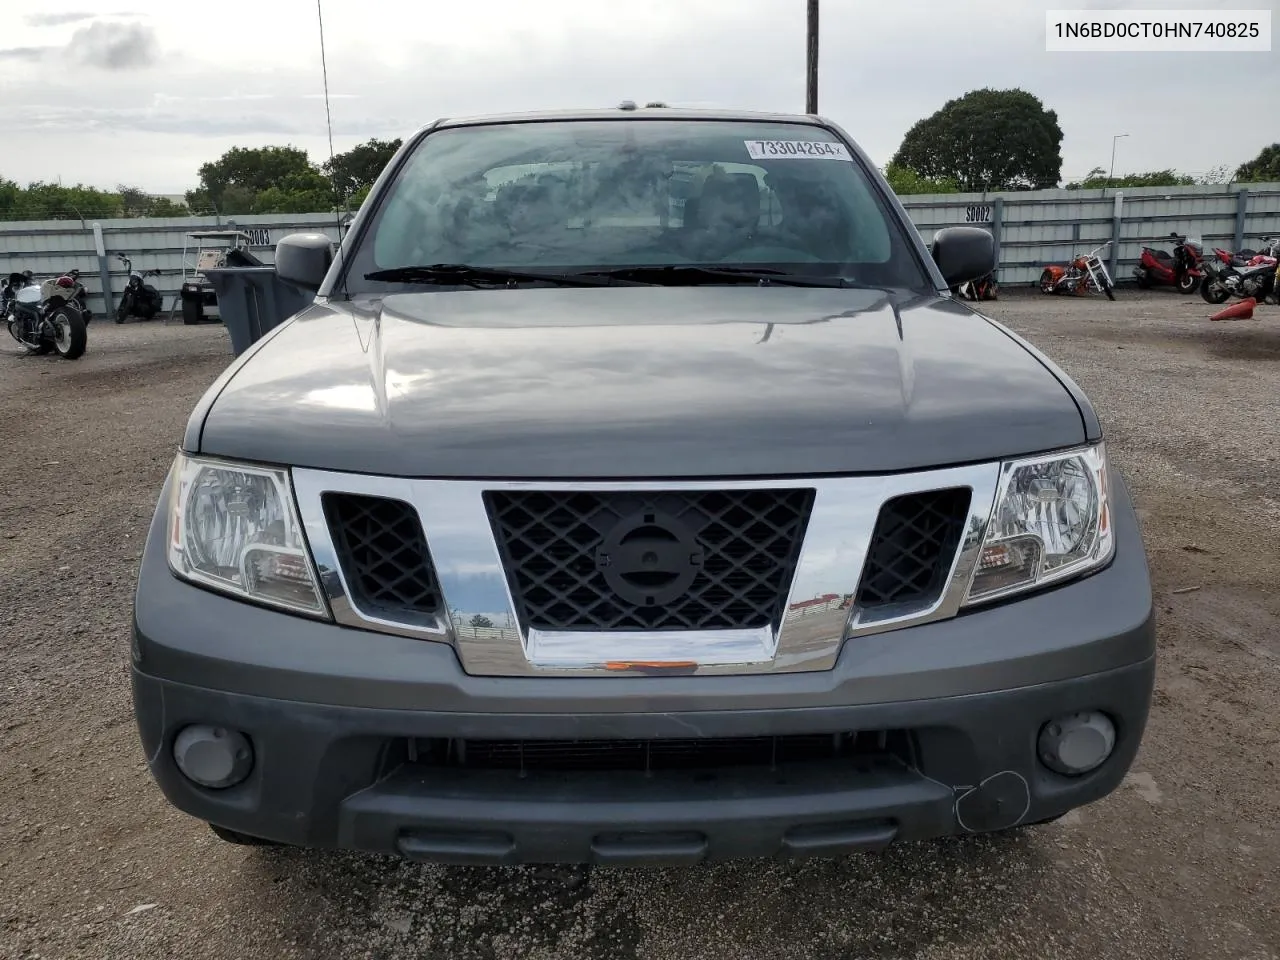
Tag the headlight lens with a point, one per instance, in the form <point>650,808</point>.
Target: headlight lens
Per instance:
<point>1052,520</point>
<point>233,527</point>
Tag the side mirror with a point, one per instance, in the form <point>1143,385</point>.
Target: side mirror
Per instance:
<point>303,259</point>
<point>963,254</point>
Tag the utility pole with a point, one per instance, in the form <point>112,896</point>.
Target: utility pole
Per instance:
<point>811,99</point>
<point>1112,172</point>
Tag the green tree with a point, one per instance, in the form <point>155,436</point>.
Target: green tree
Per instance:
<point>480,620</point>
<point>164,207</point>
<point>1264,168</point>
<point>308,191</point>
<point>1217,175</point>
<point>360,166</point>
<point>10,197</point>
<point>134,202</point>
<point>357,199</point>
<point>906,182</point>
<point>987,140</point>
<point>1097,179</point>
<point>230,201</point>
<point>52,201</point>
<point>232,184</point>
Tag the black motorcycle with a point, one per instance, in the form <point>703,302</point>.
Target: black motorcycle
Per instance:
<point>140,299</point>
<point>45,316</point>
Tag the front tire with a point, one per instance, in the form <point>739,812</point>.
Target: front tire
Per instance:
<point>71,338</point>
<point>122,312</point>
<point>1144,280</point>
<point>1188,284</point>
<point>1109,290</point>
<point>1046,282</point>
<point>192,311</point>
<point>1213,292</point>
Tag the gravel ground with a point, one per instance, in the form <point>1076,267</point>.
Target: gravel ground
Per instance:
<point>1180,862</point>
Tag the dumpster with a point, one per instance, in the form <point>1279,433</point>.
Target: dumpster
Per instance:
<point>254,300</point>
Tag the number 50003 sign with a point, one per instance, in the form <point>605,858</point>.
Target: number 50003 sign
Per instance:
<point>979,213</point>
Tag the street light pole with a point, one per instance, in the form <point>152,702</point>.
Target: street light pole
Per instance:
<point>1114,139</point>
<point>811,98</point>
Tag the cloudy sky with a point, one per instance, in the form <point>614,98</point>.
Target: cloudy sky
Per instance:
<point>144,91</point>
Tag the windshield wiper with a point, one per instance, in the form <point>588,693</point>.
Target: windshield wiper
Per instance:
<point>455,273</point>
<point>681,274</point>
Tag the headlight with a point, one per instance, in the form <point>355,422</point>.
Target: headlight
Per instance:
<point>233,527</point>
<point>1052,520</point>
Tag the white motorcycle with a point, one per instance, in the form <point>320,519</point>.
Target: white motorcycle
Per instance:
<point>46,316</point>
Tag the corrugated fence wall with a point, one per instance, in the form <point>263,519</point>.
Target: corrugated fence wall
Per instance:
<point>1032,229</point>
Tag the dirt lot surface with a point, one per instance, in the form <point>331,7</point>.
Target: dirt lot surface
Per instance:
<point>1182,861</point>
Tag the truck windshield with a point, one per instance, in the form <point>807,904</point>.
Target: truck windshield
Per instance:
<point>575,196</point>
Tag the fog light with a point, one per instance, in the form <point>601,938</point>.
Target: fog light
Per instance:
<point>213,757</point>
<point>1077,743</point>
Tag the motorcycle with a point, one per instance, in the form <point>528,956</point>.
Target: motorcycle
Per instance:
<point>80,301</point>
<point>1082,274</point>
<point>1241,258</point>
<point>984,288</point>
<point>1226,277</point>
<point>140,298</point>
<point>46,316</point>
<point>1180,270</point>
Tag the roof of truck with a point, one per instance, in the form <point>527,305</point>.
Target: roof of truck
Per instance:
<point>636,113</point>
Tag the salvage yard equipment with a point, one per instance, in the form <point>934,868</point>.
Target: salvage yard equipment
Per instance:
<point>213,249</point>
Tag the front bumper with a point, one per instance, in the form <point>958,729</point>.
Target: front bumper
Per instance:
<point>331,777</point>
<point>329,711</point>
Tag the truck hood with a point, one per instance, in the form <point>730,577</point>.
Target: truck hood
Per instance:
<point>622,382</point>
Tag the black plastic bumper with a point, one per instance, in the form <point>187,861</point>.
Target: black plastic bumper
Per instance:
<point>331,776</point>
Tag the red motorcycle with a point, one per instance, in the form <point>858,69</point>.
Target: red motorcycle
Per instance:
<point>1231,275</point>
<point>1180,270</point>
<point>1241,258</point>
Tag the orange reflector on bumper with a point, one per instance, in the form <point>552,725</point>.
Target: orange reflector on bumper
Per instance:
<point>650,664</point>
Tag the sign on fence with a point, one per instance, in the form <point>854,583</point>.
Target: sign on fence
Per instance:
<point>977,213</point>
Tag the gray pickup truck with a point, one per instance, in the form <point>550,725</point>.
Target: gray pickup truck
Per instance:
<point>635,492</point>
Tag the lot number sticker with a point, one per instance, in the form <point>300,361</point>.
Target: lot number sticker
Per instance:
<point>797,149</point>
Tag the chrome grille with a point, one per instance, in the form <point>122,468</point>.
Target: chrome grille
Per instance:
<point>486,619</point>
<point>649,560</point>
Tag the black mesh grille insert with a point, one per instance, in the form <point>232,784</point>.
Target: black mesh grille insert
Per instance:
<point>914,544</point>
<point>650,755</point>
<point>652,560</point>
<point>383,554</point>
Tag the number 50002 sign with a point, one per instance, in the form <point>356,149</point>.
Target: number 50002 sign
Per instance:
<point>979,213</point>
